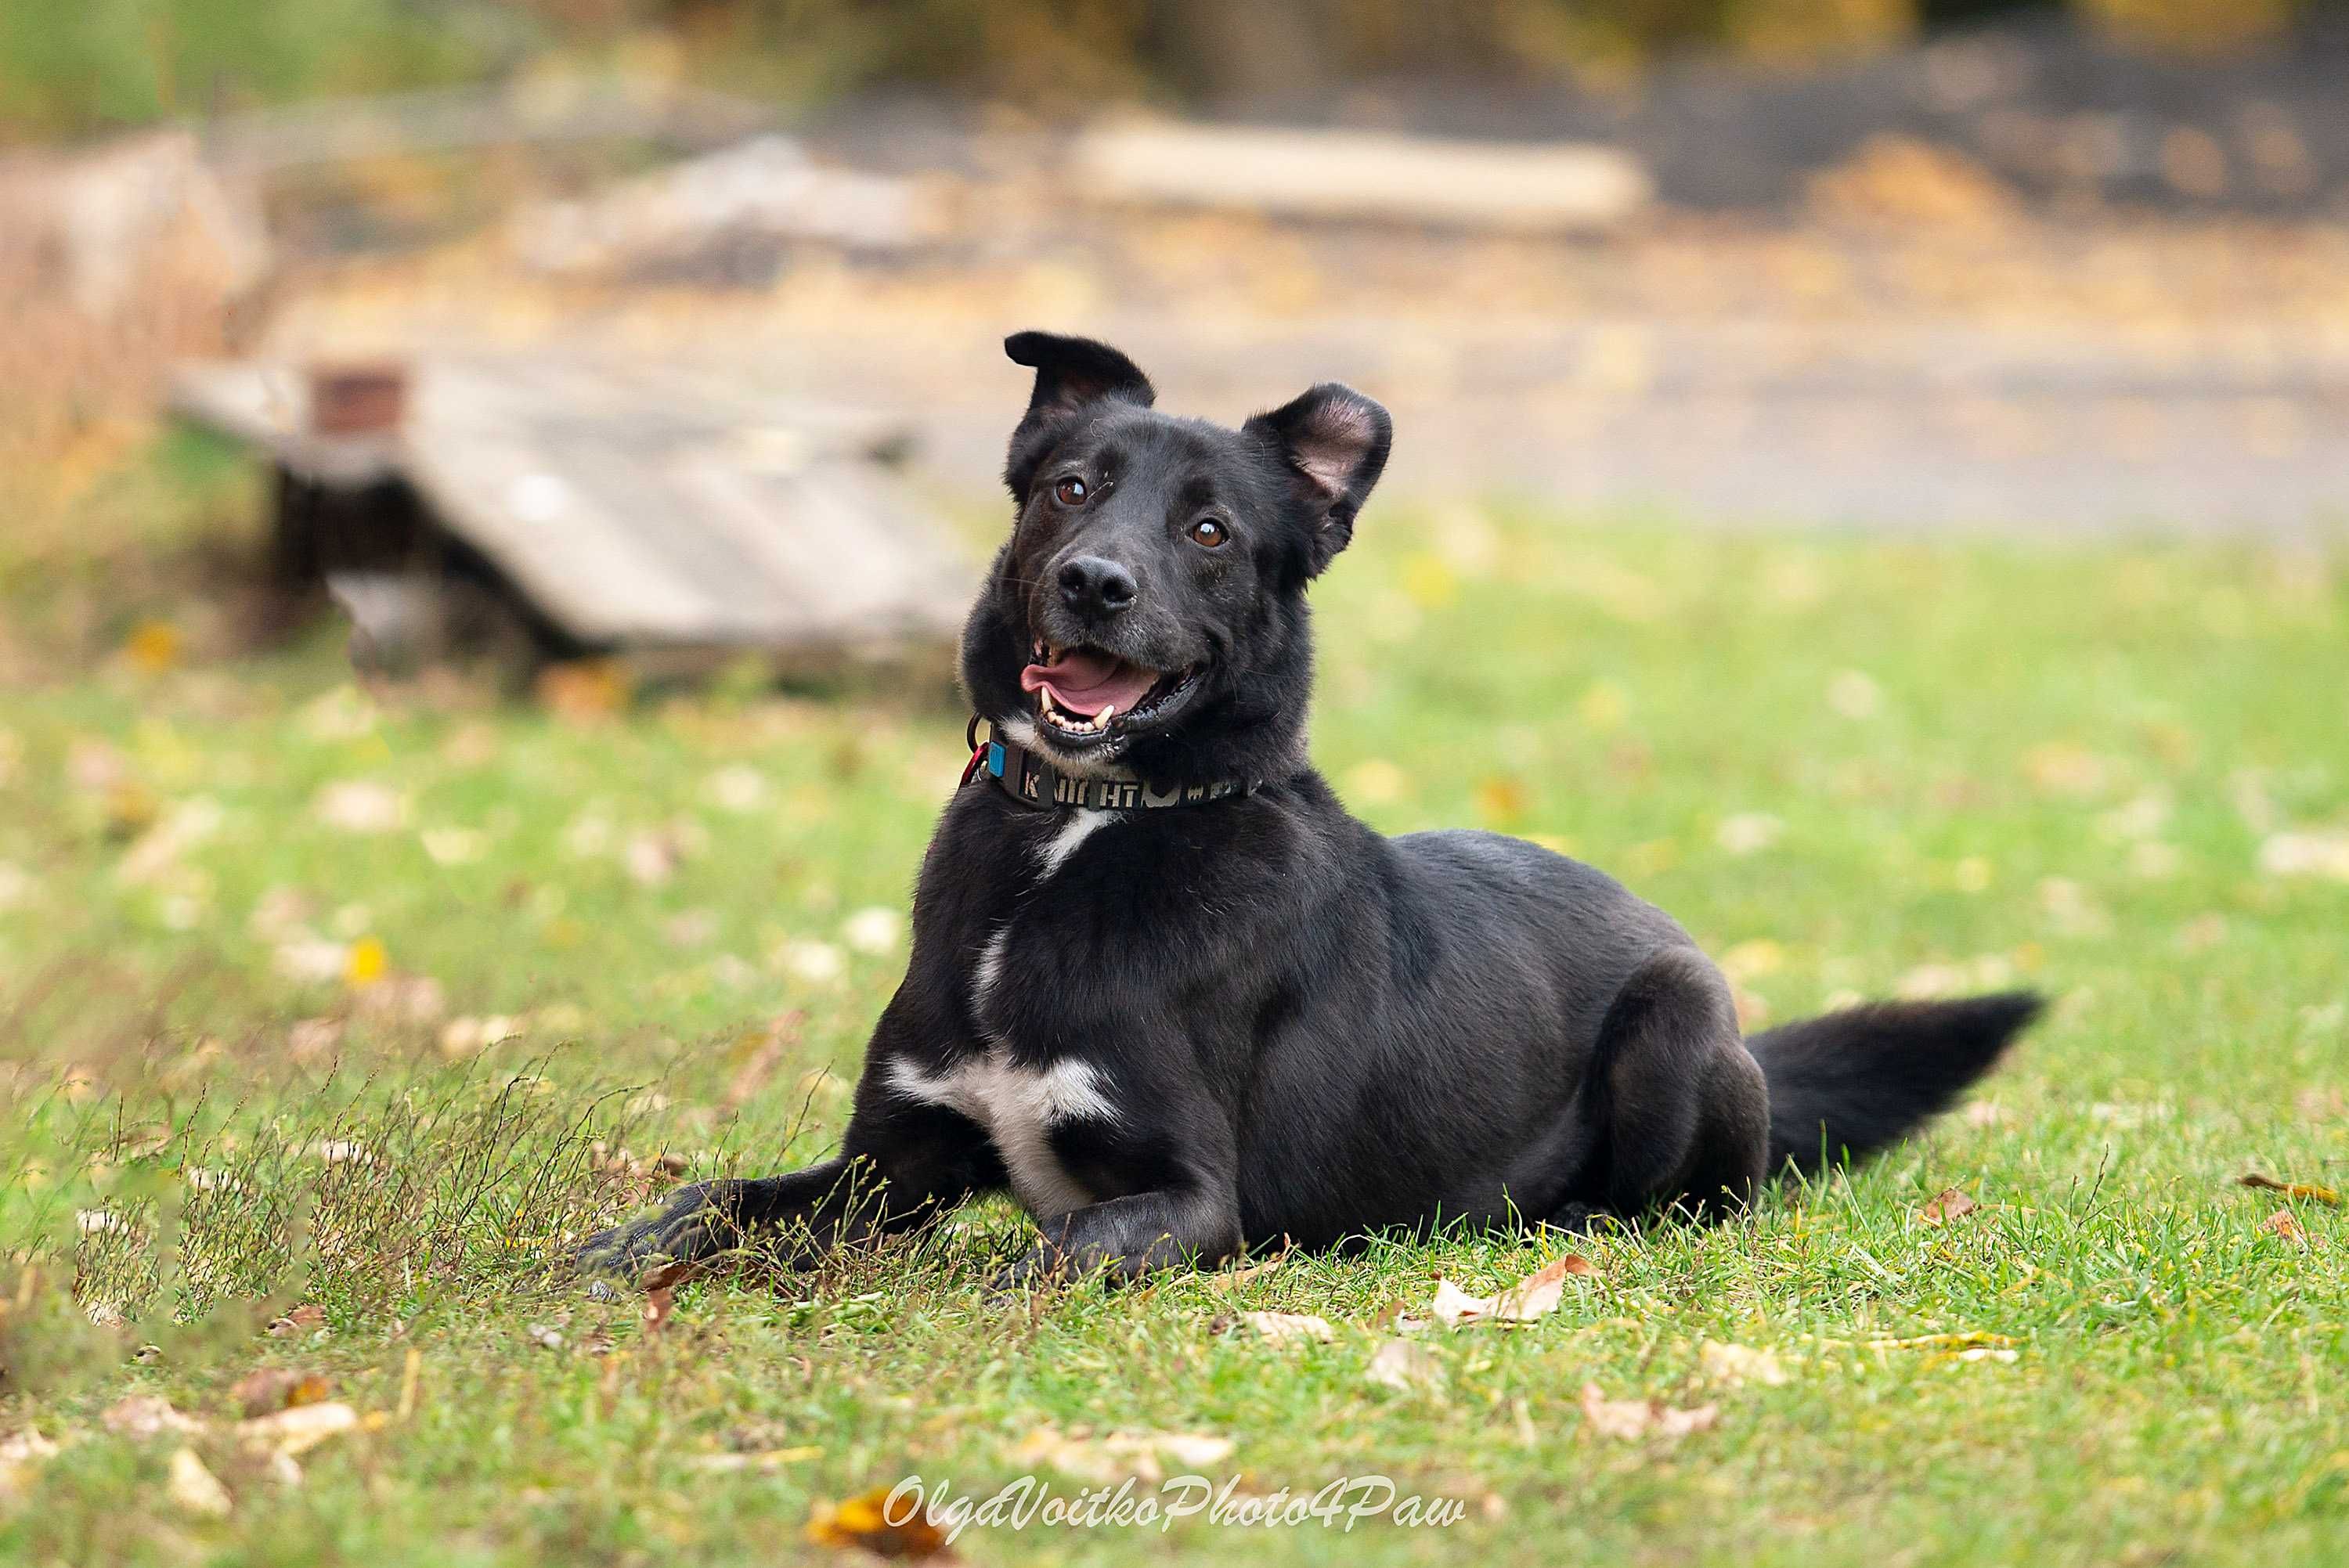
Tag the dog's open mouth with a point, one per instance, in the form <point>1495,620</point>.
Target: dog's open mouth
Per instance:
<point>1086,694</point>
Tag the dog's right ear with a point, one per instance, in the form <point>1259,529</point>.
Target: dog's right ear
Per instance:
<point>1071,372</point>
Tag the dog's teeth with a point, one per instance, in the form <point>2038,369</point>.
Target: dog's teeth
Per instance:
<point>1105,715</point>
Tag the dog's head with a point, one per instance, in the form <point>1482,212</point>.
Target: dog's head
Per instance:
<point>1148,611</point>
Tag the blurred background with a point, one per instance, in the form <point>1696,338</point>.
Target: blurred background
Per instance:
<point>1869,473</point>
<point>627,352</point>
<point>1907,264</point>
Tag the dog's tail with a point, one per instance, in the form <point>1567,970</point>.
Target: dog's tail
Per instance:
<point>1844,1086</point>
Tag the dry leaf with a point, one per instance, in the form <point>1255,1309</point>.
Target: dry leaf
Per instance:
<point>766,1460</point>
<point>1233,1278</point>
<point>297,1428</point>
<point>1635,1418</point>
<point>1733,1364</point>
<point>1948,1203</point>
<point>1971,1338</point>
<point>275,1388</point>
<point>670,1276</point>
<point>20,1454</point>
<point>1400,1363</point>
<point>1289,1327</point>
<point>2283,1223</point>
<point>195,1490</point>
<point>2290,1188</point>
<point>1118,1455</point>
<point>142,1416</point>
<point>301,1320</point>
<point>1532,1297</point>
<point>660,1304</point>
<point>864,1521</point>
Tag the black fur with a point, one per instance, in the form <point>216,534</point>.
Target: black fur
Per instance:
<point>1256,1018</point>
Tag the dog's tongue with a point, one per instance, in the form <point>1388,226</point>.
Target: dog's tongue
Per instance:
<point>1085,681</point>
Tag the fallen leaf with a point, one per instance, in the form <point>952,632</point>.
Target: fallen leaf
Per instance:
<point>297,1428</point>
<point>1634,1419</point>
<point>278,1387</point>
<point>583,691</point>
<point>769,1459</point>
<point>2290,1188</point>
<point>1948,1203</point>
<point>303,1319</point>
<point>2282,1223</point>
<point>670,1276</point>
<point>1973,1337</point>
<point>20,1454</point>
<point>660,1304</point>
<point>153,646</point>
<point>1452,1306</point>
<point>365,961</point>
<point>1287,1328</point>
<point>1396,1316</point>
<point>1532,1297</point>
<point>1118,1455</point>
<point>361,805</point>
<point>864,1521</point>
<point>143,1416</point>
<point>1232,1279</point>
<point>1400,1363</point>
<point>1733,1364</point>
<point>195,1490</point>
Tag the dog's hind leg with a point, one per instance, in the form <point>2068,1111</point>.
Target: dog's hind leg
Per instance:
<point>1676,1109</point>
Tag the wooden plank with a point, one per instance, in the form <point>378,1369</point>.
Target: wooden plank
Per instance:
<point>1521,188</point>
<point>641,505</point>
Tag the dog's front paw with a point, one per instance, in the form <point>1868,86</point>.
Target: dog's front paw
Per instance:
<point>695,1224</point>
<point>1038,1268</point>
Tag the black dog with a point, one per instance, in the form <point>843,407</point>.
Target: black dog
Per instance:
<point>1170,994</point>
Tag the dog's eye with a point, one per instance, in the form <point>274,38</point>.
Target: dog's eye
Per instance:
<point>1210,533</point>
<point>1070,492</point>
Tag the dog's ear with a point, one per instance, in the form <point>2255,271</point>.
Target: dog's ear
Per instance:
<point>1335,441</point>
<point>1071,372</point>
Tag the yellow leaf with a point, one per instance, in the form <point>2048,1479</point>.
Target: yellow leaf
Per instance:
<point>195,1489</point>
<point>1501,799</point>
<point>865,1521</point>
<point>1429,582</point>
<point>366,962</point>
<point>2291,1188</point>
<point>153,646</point>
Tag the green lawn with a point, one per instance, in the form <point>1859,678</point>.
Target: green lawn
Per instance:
<point>256,927</point>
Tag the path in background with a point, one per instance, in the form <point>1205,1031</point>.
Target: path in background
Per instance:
<point>2184,375</point>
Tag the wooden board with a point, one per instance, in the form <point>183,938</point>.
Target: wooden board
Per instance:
<point>644,505</point>
<point>1506,187</point>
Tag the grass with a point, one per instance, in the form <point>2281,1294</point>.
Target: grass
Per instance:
<point>258,925</point>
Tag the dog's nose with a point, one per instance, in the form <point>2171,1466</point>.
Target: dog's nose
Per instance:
<point>1094,587</point>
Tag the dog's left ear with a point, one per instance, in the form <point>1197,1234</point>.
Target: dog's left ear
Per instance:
<point>1335,441</point>
<point>1071,372</point>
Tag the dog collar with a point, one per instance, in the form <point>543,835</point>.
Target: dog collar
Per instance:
<point>1034,782</point>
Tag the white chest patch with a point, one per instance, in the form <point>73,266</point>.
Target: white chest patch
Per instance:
<point>1080,825</point>
<point>1019,1106</point>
